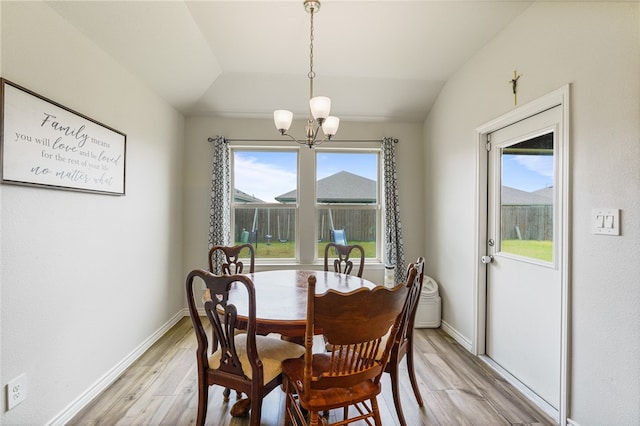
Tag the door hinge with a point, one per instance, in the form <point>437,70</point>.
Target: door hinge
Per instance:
<point>488,146</point>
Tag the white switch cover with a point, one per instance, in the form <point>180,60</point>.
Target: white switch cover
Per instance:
<point>605,221</point>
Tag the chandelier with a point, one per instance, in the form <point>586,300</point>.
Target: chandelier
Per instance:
<point>319,106</point>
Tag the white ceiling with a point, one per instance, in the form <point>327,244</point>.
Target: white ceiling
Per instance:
<point>377,60</point>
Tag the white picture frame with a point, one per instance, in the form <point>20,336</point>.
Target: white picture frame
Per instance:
<point>48,145</point>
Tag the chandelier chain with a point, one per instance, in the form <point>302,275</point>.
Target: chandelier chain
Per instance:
<point>312,74</point>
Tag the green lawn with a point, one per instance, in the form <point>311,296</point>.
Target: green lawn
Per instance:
<point>287,250</point>
<point>542,250</point>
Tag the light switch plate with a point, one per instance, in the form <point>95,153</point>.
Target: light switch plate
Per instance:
<point>605,221</point>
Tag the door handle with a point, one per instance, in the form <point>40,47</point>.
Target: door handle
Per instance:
<point>486,259</point>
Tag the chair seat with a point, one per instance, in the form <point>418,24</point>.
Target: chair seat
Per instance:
<point>326,399</point>
<point>272,352</point>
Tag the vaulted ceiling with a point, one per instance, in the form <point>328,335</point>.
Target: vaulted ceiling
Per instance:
<point>376,60</point>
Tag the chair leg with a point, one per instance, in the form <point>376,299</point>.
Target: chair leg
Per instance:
<point>256,409</point>
<point>395,391</point>
<point>412,374</point>
<point>203,400</point>
<point>314,418</point>
<point>376,411</point>
<point>288,404</point>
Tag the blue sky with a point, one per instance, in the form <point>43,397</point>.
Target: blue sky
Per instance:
<point>527,172</point>
<point>268,174</point>
<point>359,164</point>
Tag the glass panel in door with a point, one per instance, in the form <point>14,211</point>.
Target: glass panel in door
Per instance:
<point>527,198</point>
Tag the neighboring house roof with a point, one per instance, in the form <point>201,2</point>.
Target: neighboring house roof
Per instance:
<point>243,197</point>
<point>545,192</point>
<point>342,187</point>
<point>512,196</point>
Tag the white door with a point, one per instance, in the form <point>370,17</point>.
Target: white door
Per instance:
<point>524,280</point>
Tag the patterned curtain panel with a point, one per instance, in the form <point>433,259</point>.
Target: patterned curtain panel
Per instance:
<point>394,254</point>
<point>219,208</point>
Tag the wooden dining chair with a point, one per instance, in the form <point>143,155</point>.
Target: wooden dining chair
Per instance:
<point>403,342</point>
<point>245,362</point>
<point>342,262</point>
<point>349,374</point>
<point>230,258</point>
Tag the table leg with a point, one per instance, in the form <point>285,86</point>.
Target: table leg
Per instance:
<point>241,408</point>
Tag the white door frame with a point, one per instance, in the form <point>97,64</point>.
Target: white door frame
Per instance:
<point>557,97</point>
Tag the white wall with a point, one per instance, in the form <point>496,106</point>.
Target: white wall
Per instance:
<point>86,278</point>
<point>595,47</point>
<point>198,177</point>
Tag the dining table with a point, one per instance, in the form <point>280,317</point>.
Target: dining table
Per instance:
<point>281,298</point>
<point>281,305</point>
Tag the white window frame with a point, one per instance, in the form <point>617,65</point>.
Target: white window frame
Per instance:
<point>305,205</point>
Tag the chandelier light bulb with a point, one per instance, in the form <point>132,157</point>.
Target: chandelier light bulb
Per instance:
<point>320,107</point>
<point>282,118</point>
<point>330,126</point>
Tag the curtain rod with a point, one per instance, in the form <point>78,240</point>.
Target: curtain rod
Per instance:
<point>287,140</point>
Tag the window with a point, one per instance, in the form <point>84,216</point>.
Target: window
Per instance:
<point>286,201</point>
<point>347,194</point>
<point>526,218</point>
<point>259,216</point>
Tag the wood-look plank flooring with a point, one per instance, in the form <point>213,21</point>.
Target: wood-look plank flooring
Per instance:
<point>458,389</point>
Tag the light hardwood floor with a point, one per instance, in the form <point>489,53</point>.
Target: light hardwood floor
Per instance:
<point>457,389</point>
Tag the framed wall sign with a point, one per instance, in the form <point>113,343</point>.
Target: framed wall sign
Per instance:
<point>46,144</point>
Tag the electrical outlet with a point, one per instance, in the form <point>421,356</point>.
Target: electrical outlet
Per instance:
<point>16,391</point>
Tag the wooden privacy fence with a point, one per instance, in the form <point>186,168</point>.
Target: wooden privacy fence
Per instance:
<point>527,222</point>
<point>360,225</point>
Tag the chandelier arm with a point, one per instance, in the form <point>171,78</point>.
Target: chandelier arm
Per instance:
<point>310,142</point>
<point>292,138</point>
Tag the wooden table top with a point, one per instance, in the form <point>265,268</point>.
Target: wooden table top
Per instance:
<point>281,297</point>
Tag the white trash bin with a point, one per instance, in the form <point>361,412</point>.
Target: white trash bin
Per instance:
<point>429,306</point>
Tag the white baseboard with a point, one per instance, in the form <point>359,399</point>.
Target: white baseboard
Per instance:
<point>463,341</point>
<point>572,423</point>
<point>112,375</point>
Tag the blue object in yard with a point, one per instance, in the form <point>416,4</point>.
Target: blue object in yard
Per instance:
<point>338,236</point>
